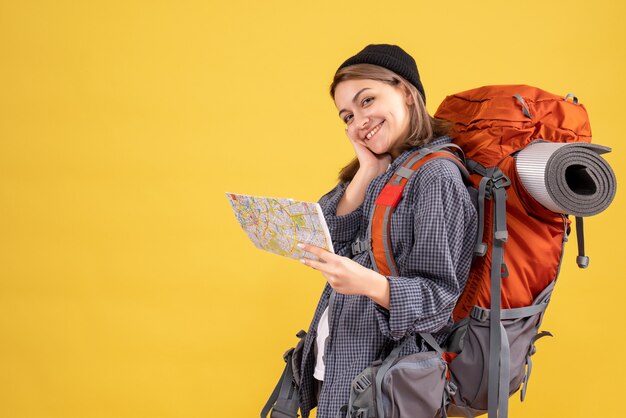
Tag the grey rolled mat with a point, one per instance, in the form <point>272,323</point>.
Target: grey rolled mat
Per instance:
<point>567,178</point>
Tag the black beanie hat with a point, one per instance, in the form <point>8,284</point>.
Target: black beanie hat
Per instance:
<point>391,57</point>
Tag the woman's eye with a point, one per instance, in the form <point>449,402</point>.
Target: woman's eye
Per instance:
<point>366,100</point>
<point>347,118</point>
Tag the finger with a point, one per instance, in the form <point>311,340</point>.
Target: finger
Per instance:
<point>358,142</point>
<point>354,140</point>
<point>317,265</point>
<point>320,253</point>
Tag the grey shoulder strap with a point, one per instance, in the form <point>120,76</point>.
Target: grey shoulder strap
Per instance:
<point>497,396</point>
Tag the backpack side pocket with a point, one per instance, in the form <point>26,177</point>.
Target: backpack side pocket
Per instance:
<point>411,386</point>
<point>470,369</point>
<point>414,386</point>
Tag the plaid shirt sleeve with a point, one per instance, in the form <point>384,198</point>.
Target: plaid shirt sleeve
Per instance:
<point>343,229</point>
<point>422,299</point>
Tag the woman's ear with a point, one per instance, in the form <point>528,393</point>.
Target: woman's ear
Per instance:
<point>408,97</point>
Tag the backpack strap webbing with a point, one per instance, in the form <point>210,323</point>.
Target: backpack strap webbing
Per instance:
<point>498,383</point>
<point>284,400</point>
<point>379,228</point>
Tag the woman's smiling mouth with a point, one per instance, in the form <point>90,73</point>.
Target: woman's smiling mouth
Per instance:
<point>373,132</point>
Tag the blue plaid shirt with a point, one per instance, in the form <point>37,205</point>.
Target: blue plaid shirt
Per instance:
<point>432,235</point>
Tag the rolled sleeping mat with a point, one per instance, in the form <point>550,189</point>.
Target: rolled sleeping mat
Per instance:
<point>569,178</point>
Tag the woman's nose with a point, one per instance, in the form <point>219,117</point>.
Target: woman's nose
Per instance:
<point>362,121</point>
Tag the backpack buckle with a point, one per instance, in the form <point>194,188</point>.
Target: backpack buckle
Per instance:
<point>359,246</point>
<point>500,180</point>
<point>362,383</point>
<point>480,314</point>
<point>480,249</point>
<point>362,413</point>
<point>451,389</point>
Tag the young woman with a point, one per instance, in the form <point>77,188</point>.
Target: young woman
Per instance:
<point>380,98</point>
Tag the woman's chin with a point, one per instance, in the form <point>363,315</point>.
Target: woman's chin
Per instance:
<point>377,150</point>
<point>374,146</point>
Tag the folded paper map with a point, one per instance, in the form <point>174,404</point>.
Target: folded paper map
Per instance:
<point>277,225</point>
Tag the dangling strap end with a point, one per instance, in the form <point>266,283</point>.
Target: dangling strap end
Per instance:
<point>582,261</point>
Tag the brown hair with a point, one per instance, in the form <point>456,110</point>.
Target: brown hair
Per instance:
<point>422,127</point>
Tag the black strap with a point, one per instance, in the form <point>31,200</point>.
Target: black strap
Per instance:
<point>582,260</point>
<point>282,400</point>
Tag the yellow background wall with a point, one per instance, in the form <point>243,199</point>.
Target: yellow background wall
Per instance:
<point>127,289</point>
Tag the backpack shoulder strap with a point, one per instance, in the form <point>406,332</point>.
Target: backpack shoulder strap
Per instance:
<point>379,228</point>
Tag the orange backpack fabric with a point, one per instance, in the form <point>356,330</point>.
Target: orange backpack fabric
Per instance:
<point>490,125</point>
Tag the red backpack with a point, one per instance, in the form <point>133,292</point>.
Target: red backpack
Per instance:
<point>520,242</point>
<point>491,124</point>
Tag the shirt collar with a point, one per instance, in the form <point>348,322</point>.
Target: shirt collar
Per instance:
<point>405,155</point>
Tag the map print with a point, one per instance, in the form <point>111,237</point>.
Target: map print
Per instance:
<point>277,225</point>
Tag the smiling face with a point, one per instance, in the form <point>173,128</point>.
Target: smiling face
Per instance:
<point>376,113</point>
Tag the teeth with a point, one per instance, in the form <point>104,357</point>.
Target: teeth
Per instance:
<point>373,131</point>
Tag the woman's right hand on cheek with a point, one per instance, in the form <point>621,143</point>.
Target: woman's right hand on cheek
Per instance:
<point>370,166</point>
<point>370,163</point>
